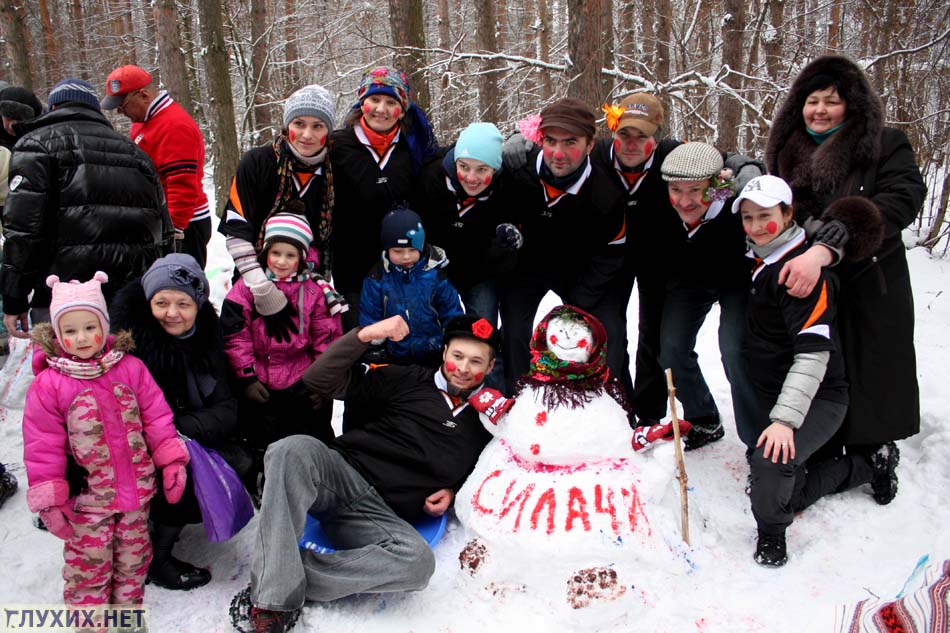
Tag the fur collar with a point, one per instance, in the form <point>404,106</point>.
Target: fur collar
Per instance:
<point>45,338</point>
<point>813,169</point>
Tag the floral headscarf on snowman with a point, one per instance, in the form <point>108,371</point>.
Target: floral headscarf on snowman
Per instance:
<point>571,382</point>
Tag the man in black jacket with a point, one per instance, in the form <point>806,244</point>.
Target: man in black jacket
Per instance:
<point>82,198</point>
<point>415,442</point>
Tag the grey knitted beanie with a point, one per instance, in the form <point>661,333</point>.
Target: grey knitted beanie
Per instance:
<point>313,100</point>
<point>692,161</point>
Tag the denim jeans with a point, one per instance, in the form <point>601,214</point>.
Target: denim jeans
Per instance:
<point>482,299</point>
<point>684,312</point>
<point>376,550</point>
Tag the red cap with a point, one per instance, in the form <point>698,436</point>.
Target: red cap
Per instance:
<point>122,81</point>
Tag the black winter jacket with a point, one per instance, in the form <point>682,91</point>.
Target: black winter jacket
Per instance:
<point>406,441</point>
<point>466,235</point>
<point>82,198</point>
<point>876,306</point>
<point>364,194</point>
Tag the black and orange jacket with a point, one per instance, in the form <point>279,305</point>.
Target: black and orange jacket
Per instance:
<point>780,326</point>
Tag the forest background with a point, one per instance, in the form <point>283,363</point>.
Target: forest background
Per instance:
<point>721,67</point>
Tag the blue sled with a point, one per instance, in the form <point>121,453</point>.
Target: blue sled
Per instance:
<point>315,539</point>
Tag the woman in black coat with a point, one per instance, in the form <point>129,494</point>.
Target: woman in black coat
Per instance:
<point>829,142</point>
<point>178,337</point>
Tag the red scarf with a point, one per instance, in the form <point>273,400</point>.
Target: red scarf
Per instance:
<point>379,142</point>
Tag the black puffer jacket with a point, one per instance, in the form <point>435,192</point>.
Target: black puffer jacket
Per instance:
<point>82,198</point>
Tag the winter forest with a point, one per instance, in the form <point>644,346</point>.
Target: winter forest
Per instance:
<point>721,66</point>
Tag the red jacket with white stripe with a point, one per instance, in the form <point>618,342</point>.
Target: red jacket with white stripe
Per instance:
<point>173,141</point>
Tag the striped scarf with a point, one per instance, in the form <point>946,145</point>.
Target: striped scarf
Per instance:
<point>86,369</point>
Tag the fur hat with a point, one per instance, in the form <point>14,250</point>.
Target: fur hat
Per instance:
<point>72,296</point>
<point>19,104</point>
<point>480,141</point>
<point>177,271</point>
<point>313,100</point>
<point>73,90</point>
<point>692,161</point>
<point>288,227</point>
<point>473,327</point>
<point>402,228</point>
<point>572,115</point>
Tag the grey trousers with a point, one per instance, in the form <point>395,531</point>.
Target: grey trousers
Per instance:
<point>376,550</point>
<point>780,490</point>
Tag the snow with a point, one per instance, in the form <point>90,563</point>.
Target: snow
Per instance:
<point>844,549</point>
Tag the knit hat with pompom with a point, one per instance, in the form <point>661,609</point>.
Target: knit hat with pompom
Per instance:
<point>73,295</point>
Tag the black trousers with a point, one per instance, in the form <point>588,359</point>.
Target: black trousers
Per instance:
<point>780,490</point>
<point>196,239</point>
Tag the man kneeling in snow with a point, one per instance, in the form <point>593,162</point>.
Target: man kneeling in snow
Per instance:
<point>414,443</point>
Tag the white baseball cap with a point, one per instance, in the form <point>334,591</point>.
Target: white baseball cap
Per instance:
<point>765,191</point>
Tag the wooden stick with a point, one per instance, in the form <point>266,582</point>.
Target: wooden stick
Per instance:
<point>681,466</point>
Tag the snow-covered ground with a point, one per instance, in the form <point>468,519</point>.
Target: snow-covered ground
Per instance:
<point>842,550</point>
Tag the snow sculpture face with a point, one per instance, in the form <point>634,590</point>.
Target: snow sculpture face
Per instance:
<point>569,340</point>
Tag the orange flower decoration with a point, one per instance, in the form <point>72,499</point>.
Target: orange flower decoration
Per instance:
<point>613,112</point>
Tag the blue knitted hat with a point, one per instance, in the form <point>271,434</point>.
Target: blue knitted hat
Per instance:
<point>402,228</point>
<point>73,90</point>
<point>480,141</point>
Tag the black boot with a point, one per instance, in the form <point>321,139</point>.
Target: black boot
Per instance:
<point>706,430</point>
<point>8,484</point>
<point>884,462</point>
<point>167,571</point>
<point>770,550</point>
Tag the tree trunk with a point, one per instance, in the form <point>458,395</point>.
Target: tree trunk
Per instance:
<point>405,18</point>
<point>730,111</point>
<point>221,111</point>
<point>79,33</point>
<point>51,59</point>
<point>544,49</point>
<point>834,28</point>
<point>171,59</point>
<point>664,32</point>
<point>265,126</point>
<point>590,40</point>
<point>18,44</point>
<point>488,96</point>
<point>291,50</point>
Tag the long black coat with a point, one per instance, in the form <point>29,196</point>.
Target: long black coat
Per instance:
<point>876,305</point>
<point>82,198</point>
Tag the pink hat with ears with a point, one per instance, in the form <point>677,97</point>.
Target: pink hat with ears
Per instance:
<point>78,296</point>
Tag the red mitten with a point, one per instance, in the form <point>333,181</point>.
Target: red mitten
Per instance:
<point>57,522</point>
<point>645,436</point>
<point>491,403</point>
<point>173,480</point>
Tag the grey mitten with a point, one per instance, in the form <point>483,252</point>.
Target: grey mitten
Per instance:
<point>833,234</point>
<point>514,152</point>
<point>508,236</point>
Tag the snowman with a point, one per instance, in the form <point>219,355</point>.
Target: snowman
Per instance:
<point>562,504</point>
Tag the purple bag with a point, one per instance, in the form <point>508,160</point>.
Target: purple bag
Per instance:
<point>225,504</point>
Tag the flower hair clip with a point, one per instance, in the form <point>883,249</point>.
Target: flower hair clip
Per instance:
<point>482,329</point>
<point>530,128</point>
<point>613,112</point>
<point>719,190</point>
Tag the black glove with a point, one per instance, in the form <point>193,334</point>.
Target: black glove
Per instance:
<point>834,233</point>
<point>280,326</point>
<point>508,236</point>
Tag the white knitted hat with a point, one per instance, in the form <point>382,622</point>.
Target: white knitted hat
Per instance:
<point>312,100</point>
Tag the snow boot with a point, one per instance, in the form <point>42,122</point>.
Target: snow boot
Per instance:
<point>246,618</point>
<point>770,550</point>
<point>8,484</point>
<point>884,462</point>
<point>706,430</point>
<point>168,572</point>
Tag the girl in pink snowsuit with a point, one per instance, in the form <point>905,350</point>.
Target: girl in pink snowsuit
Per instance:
<point>95,407</point>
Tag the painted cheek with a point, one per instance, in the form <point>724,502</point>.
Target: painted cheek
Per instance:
<point>322,140</point>
<point>672,201</point>
<point>772,227</point>
<point>367,107</point>
<point>617,145</point>
<point>291,135</point>
<point>461,176</point>
<point>450,366</point>
<point>575,154</point>
<point>487,180</point>
<point>98,339</point>
<point>397,112</point>
<point>648,148</point>
<point>478,376</point>
<point>67,344</point>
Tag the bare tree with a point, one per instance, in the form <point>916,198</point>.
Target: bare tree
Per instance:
<point>408,32</point>
<point>171,59</point>
<point>264,115</point>
<point>488,98</point>
<point>218,81</point>
<point>590,42</point>
<point>733,42</point>
<point>18,44</point>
